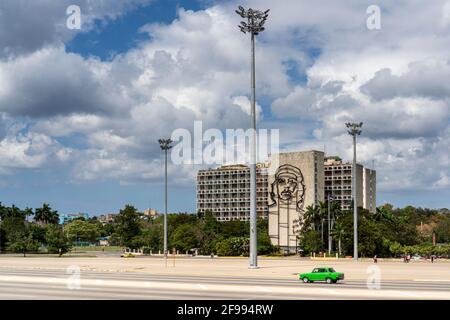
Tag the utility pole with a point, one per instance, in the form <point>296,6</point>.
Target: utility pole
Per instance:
<point>254,25</point>
<point>354,129</point>
<point>165,145</point>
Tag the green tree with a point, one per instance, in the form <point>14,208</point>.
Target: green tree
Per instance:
<point>264,244</point>
<point>211,232</point>
<point>312,219</point>
<point>46,215</point>
<point>128,227</point>
<point>187,236</point>
<point>23,243</point>
<point>311,241</point>
<point>56,239</point>
<point>82,230</point>
<point>235,246</point>
<point>443,230</point>
<point>383,213</point>
<point>396,248</point>
<point>13,226</point>
<point>151,237</point>
<point>337,233</point>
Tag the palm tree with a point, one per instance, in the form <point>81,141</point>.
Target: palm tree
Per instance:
<point>323,211</point>
<point>382,213</point>
<point>337,232</point>
<point>335,213</point>
<point>312,218</point>
<point>46,215</point>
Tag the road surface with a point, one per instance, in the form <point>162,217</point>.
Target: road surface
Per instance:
<point>58,284</point>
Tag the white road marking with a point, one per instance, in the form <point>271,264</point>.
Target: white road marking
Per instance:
<point>331,291</point>
<point>18,295</point>
<point>51,280</point>
<point>263,289</point>
<point>10,278</point>
<point>408,294</point>
<point>202,286</point>
<point>148,284</point>
<point>98,282</point>
<point>431,280</point>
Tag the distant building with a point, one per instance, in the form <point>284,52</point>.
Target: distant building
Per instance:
<point>338,183</point>
<point>64,218</point>
<point>150,213</point>
<point>103,241</point>
<point>106,218</point>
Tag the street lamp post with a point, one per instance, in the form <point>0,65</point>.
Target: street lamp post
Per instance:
<point>254,24</point>
<point>165,145</point>
<point>354,129</point>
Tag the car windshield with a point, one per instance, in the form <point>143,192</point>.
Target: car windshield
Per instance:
<point>331,270</point>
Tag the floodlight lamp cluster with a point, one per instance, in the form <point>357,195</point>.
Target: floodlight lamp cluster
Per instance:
<point>165,144</point>
<point>354,128</point>
<point>255,20</point>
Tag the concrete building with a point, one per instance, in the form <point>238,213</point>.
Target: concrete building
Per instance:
<point>286,185</point>
<point>150,213</point>
<point>370,190</point>
<point>72,216</point>
<point>107,218</point>
<point>338,183</point>
<point>296,181</point>
<point>225,191</point>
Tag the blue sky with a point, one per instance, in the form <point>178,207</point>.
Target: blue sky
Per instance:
<point>81,111</point>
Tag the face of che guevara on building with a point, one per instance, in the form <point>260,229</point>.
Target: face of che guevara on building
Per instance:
<point>286,186</point>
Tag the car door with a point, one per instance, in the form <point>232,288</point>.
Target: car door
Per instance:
<point>314,274</point>
<point>322,274</point>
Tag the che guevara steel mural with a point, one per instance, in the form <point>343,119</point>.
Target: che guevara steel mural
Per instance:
<point>287,195</point>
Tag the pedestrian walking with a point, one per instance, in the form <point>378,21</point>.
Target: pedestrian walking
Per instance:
<point>375,259</point>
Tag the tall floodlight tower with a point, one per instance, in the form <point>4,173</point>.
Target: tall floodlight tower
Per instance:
<point>330,198</point>
<point>354,129</point>
<point>165,145</point>
<point>253,23</point>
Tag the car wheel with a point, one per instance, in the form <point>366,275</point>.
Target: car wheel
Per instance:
<point>305,280</point>
<point>329,280</point>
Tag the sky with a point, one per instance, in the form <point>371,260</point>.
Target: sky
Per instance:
<point>81,110</point>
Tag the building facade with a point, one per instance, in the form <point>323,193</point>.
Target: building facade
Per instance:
<point>152,213</point>
<point>338,184</point>
<point>107,218</point>
<point>286,185</point>
<point>72,216</point>
<point>225,192</point>
<point>296,181</point>
<point>370,190</point>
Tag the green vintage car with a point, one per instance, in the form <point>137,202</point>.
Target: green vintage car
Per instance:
<point>329,275</point>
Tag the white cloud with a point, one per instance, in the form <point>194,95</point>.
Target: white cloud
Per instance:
<point>27,26</point>
<point>197,68</point>
<point>30,150</point>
